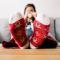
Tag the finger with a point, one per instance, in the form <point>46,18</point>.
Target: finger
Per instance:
<point>34,14</point>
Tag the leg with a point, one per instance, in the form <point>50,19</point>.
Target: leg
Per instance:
<point>9,44</point>
<point>39,35</point>
<point>49,43</point>
<point>17,26</point>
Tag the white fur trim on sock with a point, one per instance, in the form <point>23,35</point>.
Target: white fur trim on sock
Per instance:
<point>43,19</point>
<point>25,46</point>
<point>32,46</point>
<point>15,17</point>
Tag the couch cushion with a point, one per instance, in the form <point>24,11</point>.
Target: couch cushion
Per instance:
<point>4,30</point>
<point>52,31</point>
<point>57,29</point>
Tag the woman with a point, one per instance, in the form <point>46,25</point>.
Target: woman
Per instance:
<point>36,31</point>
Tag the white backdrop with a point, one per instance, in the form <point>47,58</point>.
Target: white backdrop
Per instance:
<point>49,7</point>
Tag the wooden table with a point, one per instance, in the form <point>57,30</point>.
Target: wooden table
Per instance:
<point>29,54</point>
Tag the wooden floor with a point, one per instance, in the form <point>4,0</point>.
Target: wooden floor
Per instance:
<point>29,54</point>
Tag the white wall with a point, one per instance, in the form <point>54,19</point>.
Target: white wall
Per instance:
<point>49,7</point>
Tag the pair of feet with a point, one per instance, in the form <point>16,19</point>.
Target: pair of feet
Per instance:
<point>17,26</point>
<point>20,39</point>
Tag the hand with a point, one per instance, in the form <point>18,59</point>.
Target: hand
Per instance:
<point>29,15</point>
<point>34,14</point>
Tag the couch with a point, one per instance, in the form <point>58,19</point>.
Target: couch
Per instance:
<point>5,34</point>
